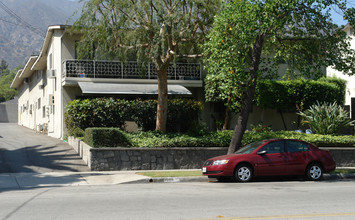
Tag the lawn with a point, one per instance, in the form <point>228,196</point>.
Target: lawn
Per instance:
<point>158,174</point>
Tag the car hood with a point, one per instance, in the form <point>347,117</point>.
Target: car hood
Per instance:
<point>226,157</point>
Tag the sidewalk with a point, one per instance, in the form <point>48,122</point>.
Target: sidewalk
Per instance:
<point>61,179</point>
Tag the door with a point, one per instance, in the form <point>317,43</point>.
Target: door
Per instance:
<point>272,159</point>
<point>297,158</point>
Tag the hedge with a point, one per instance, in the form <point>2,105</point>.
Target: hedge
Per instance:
<point>106,137</point>
<point>113,137</point>
<point>109,112</point>
<point>287,95</point>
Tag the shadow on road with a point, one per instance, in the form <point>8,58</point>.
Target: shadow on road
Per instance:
<point>41,159</point>
<point>26,181</point>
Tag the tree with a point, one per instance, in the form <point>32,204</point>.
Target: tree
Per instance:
<point>6,78</point>
<point>251,38</point>
<point>154,30</point>
<point>3,66</point>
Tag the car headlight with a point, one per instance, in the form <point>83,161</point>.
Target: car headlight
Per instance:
<point>220,162</point>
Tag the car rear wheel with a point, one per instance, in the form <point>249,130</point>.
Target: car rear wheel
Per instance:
<point>243,173</point>
<point>314,172</point>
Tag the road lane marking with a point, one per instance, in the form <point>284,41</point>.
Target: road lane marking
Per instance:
<point>282,216</point>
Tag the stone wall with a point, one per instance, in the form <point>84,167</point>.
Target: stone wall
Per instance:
<point>105,159</point>
<point>343,156</point>
<point>151,159</point>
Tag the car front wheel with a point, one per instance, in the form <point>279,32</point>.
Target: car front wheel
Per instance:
<point>314,172</point>
<point>243,173</point>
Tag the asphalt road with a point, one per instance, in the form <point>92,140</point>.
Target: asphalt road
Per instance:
<point>23,150</point>
<point>256,200</point>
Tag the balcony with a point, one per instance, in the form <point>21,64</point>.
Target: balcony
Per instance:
<point>128,70</point>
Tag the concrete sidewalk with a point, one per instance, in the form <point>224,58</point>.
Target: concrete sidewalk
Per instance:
<point>60,179</point>
<point>56,179</point>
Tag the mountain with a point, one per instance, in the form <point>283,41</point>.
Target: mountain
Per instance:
<point>23,26</point>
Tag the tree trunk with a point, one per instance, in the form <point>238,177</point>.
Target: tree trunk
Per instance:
<point>162,107</point>
<point>248,97</point>
<point>241,126</point>
<point>226,116</point>
<point>283,120</point>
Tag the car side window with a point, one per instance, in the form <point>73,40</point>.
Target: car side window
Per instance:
<point>296,146</point>
<point>274,147</point>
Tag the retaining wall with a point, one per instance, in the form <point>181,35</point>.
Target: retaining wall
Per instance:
<point>8,113</point>
<point>104,159</point>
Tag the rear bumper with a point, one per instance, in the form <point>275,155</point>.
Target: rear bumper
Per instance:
<point>329,168</point>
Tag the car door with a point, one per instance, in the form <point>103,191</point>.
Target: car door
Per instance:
<point>271,159</point>
<point>296,157</point>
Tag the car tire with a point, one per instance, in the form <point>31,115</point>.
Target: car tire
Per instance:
<point>243,173</point>
<point>314,172</point>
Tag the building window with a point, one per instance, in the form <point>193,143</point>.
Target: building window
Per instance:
<point>50,61</point>
<point>44,111</point>
<point>39,104</point>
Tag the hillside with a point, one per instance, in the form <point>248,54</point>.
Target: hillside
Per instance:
<point>20,38</point>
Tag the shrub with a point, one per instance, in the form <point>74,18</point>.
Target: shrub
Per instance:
<point>182,115</point>
<point>326,118</point>
<point>316,139</point>
<point>144,113</point>
<point>106,137</point>
<point>76,132</point>
<point>109,112</point>
<point>152,139</point>
<point>260,128</point>
<point>286,95</point>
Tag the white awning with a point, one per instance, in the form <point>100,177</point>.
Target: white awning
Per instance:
<point>129,89</point>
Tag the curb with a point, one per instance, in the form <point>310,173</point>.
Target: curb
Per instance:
<point>338,176</point>
<point>170,180</point>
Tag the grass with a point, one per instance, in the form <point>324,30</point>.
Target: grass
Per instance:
<point>157,174</point>
<point>343,171</point>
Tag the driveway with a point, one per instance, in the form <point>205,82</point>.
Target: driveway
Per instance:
<point>24,151</point>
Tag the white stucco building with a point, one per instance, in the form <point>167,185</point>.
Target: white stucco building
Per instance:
<point>350,87</point>
<point>54,77</point>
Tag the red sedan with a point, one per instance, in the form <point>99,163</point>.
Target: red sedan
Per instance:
<point>274,157</point>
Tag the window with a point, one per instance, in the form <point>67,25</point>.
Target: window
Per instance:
<point>296,146</point>
<point>274,147</point>
<point>50,61</point>
<point>249,148</point>
<point>44,111</point>
<point>39,104</point>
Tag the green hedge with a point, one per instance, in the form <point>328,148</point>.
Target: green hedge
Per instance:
<point>286,95</point>
<point>113,137</point>
<point>109,112</point>
<point>106,137</point>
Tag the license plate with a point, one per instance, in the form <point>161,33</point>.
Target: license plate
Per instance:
<point>204,170</point>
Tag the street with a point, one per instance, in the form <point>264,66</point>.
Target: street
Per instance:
<point>208,200</point>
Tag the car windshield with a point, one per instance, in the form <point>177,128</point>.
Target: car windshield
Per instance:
<point>247,149</point>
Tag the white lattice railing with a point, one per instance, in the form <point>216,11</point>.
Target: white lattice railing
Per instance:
<point>128,70</point>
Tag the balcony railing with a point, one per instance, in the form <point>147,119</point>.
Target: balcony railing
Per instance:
<point>128,70</point>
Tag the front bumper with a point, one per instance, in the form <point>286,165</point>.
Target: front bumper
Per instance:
<point>217,170</point>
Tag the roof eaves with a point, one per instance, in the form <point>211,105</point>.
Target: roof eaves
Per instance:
<point>16,82</point>
<point>47,40</point>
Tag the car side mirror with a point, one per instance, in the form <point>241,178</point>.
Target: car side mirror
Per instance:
<point>262,152</point>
